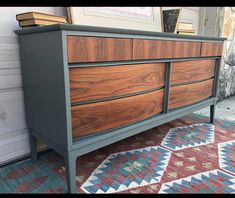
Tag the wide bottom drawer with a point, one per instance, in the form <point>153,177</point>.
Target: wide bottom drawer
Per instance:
<point>101,116</point>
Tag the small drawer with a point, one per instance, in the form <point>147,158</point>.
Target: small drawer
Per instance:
<point>189,71</point>
<point>101,116</point>
<point>156,49</point>
<point>211,48</point>
<point>94,49</point>
<point>189,94</point>
<point>91,83</point>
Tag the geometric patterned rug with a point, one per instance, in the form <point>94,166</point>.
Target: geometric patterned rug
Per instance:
<point>186,155</point>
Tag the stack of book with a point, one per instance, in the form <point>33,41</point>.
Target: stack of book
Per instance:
<point>185,28</point>
<point>29,19</point>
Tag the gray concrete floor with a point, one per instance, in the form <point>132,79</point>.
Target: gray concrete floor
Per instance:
<point>224,109</point>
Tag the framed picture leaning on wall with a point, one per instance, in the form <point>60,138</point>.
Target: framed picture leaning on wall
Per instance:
<point>137,18</point>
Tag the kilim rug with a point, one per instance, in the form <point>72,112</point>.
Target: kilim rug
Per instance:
<point>187,155</point>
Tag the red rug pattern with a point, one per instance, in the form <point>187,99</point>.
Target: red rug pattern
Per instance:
<point>201,160</point>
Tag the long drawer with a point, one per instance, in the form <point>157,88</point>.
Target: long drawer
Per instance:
<point>101,116</point>
<point>188,94</point>
<point>189,71</point>
<point>155,49</point>
<point>94,49</point>
<point>92,83</point>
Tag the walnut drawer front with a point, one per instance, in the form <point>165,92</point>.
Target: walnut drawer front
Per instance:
<point>97,117</point>
<point>189,71</point>
<point>94,49</point>
<point>155,49</point>
<point>189,94</point>
<point>211,49</point>
<point>90,83</point>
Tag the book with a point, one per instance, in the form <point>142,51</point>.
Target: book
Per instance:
<point>185,26</point>
<point>185,33</point>
<point>34,22</point>
<point>39,15</point>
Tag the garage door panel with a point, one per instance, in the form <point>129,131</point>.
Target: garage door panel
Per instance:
<point>10,78</point>
<point>12,115</point>
<point>13,129</point>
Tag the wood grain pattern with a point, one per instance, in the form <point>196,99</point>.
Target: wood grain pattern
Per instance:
<point>188,71</point>
<point>211,48</point>
<point>92,83</point>
<point>189,94</point>
<point>98,117</point>
<point>155,49</point>
<point>93,49</point>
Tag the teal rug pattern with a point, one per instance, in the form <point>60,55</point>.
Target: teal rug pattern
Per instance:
<point>186,155</point>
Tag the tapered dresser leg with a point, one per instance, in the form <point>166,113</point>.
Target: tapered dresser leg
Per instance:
<point>212,114</point>
<point>70,161</point>
<point>33,146</point>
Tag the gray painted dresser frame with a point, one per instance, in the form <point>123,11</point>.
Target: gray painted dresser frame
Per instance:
<point>45,71</point>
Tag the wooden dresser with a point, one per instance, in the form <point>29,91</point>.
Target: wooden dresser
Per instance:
<point>87,87</point>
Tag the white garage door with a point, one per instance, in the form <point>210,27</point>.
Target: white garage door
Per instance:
<point>13,131</point>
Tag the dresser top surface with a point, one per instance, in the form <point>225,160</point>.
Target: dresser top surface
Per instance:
<point>83,28</point>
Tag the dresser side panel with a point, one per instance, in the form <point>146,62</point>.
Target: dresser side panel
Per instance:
<point>44,85</point>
